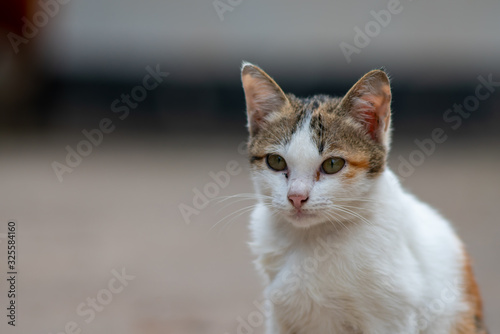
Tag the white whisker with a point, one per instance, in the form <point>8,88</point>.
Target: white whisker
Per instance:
<point>250,207</point>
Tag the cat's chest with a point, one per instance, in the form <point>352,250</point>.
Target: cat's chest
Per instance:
<point>318,276</point>
<point>322,289</point>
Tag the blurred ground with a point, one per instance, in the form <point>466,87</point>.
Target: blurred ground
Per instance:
<point>120,209</point>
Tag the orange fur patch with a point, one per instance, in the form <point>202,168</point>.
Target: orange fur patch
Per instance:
<point>364,164</point>
<point>357,167</point>
<point>470,322</point>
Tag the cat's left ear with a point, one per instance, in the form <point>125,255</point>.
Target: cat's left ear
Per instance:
<point>369,102</point>
<point>262,94</point>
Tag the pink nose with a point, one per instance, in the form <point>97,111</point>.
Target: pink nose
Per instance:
<point>298,200</point>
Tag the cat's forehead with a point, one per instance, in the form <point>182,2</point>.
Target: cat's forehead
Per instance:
<point>308,114</point>
<point>302,152</point>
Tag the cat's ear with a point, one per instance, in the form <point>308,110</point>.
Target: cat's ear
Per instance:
<point>369,102</point>
<point>262,94</point>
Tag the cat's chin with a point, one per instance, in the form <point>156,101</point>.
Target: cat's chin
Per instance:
<point>303,219</point>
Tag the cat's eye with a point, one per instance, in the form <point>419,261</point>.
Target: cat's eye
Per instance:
<point>276,162</point>
<point>332,165</point>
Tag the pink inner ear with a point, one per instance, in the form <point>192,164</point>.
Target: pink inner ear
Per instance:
<point>373,123</point>
<point>372,108</point>
<point>262,96</point>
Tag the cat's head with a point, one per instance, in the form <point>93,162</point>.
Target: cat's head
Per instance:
<point>314,159</point>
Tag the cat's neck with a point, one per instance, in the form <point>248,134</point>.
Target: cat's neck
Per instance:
<point>387,187</point>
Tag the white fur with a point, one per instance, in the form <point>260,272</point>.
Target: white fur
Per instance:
<point>392,266</point>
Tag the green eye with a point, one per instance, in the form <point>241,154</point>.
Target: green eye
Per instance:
<point>332,165</point>
<point>276,162</point>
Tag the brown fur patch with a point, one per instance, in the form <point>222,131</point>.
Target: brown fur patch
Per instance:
<point>332,131</point>
<point>471,322</point>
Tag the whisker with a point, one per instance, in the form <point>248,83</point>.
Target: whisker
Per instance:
<point>244,210</point>
<point>357,199</point>
<point>228,223</point>
<point>242,195</point>
<point>250,207</point>
<point>331,214</point>
<point>234,202</point>
<point>352,213</point>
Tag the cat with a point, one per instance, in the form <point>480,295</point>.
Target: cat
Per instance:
<point>342,247</point>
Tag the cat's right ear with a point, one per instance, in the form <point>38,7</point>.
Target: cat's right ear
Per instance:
<point>262,94</point>
<point>369,102</point>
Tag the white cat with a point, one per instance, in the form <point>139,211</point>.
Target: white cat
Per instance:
<point>343,248</point>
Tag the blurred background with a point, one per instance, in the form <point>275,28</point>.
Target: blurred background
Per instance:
<point>115,115</point>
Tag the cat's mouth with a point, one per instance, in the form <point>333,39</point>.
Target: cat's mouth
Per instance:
<point>300,215</point>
